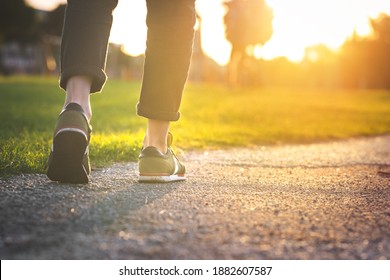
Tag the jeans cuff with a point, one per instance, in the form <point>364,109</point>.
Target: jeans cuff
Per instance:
<point>157,115</point>
<point>98,76</point>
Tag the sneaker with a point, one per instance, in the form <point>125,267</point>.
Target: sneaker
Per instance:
<point>156,167</point>
<point>68,160</point>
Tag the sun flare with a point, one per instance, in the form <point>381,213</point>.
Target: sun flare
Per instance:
<point>129,27</point>
<point>297,25</point>
<point>302,23</point>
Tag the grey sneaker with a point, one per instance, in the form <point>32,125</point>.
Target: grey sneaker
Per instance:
<point>156,167</point>
<point>68,160</point>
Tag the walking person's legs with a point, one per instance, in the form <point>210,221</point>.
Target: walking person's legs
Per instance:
<point>83,56</point>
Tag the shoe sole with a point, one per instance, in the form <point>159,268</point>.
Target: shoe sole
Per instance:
<point>160,179</point>
<point>66,164</point>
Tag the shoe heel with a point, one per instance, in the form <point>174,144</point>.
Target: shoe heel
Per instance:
<point>69,148</point>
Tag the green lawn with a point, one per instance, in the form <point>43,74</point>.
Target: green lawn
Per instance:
<point>212,117</point>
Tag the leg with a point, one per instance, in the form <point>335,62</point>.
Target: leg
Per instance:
<point>167,59</point>
<point>156,135</point>
<point>84,49</point>
<point>83,55</point>
<point>78,91</point>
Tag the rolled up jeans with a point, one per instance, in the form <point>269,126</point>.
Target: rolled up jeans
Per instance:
<point>168,51</point>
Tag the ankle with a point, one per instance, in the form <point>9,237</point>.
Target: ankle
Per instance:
<point>159,144</point>
<point>157,134</point>
<point>85,106</point>
<point>78,91</point>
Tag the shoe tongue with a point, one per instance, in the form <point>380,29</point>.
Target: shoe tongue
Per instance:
<point>169,139</point>
<point>74,107</point>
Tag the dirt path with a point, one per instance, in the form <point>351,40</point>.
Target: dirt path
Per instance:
<point>319,201</point>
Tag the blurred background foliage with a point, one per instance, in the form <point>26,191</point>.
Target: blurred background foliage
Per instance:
<point>30,42</point>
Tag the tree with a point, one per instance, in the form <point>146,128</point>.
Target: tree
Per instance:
<point>53,22</point>
<point>247,23</point>
<point>381,28</point>
<point>18,22</point>
<point>50,36</point>
<point>366,61</point>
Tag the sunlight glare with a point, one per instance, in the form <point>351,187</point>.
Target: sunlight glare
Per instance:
<point>301,23</point>
<point>297,25</point>
<point>129,27</point>
<point>214,43</point>
<point>46,5</point>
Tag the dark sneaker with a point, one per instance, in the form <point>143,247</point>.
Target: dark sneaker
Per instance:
<point>68,160</point>
<point>156,167</point>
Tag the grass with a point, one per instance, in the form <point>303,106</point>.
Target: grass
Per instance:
<point>212,117</point>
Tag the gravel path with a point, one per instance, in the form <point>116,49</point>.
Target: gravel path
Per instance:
<point>317,201</point>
